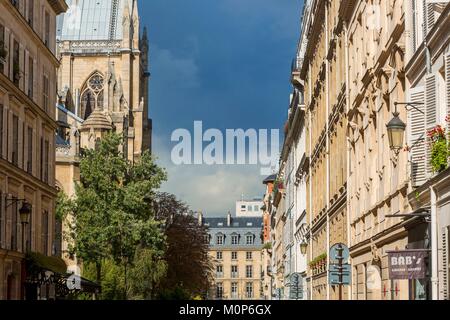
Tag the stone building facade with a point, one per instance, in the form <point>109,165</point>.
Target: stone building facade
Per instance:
<point>236,251</point>
<point>378,179</point>
<point>103,85</point>
<point>27,138</point>
<point>323,72</point>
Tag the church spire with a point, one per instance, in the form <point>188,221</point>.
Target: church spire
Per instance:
<point>135,25</point>
<point>126,25</point>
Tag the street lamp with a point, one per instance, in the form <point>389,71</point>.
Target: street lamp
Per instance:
<point>396,127</point>
<point>25,213</point>
<point>396,131</point>
<point>303,247</point>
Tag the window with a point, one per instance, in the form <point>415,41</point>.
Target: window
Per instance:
<point>249,290</point>
<point>234,290</point>
<point>45,93</point>
<point>15,142</point>
<point>249,208</point>
<point>249,271</point>
<point>219,290</point>
<point>46,160</point>
<point>3,52</point>
<point>249,239</point>
<point>2,219</point>
<point>219,271</point>
<point>30,150</point>
<point>234,255</point>
<point>256,208</point>
<point>30,12</point>
<point>234,239</point>
<point>47,29</point>
<point>92,95</point>
<point>44,232</point>
<point>206,239</point>
<point>220,240</point>
<point>243,207</point>
<point>14,223</point>
<point>234,272</point>
<point>29,239</point>
<point>249,255</point>
<point>219,255</point>
<point>16,64</point>
<point>30,77</point>
<point>1,131</point>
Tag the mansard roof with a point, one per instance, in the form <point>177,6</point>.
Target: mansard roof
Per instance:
<point>93,20</point>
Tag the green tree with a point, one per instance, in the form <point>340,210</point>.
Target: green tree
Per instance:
<point>112,211</point>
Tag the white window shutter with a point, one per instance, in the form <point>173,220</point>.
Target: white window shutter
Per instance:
<point>447,88</point>
<point>433,10</point>
<point>430,114</point>
<point>417,137</point>
<point>443,265</point>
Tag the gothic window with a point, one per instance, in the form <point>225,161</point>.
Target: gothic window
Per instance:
<point>92,95</point>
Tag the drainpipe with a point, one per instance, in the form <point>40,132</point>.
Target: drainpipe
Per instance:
<point>347,108</point>
<point>327,145</point>
<point>434,247</point>
<point>433,200</point>
<point>311,243</point>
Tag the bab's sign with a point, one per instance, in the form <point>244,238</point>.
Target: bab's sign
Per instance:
<point>407,264</point>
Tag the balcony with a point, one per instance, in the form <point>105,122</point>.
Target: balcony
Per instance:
<point>295,72</point>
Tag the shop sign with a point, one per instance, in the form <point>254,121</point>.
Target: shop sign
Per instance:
<point>407,264</point>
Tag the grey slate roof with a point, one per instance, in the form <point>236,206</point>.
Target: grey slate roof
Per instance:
<point>92,20</point>
<point>241,227</point>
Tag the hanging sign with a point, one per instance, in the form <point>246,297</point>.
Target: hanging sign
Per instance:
<point>407,264</point>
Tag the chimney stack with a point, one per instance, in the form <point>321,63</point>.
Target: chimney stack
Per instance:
<point>200,218</point>
<point>229,219</point>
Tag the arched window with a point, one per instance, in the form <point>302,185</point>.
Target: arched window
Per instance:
<point>92,95</point>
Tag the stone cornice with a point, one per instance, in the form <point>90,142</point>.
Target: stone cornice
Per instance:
<point>19,174</point>
<point>59,6</point>
<point>314,30</point>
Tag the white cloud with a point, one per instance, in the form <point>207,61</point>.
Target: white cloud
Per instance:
<point>212,189</point>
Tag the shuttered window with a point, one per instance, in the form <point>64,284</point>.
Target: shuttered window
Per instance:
<point>417,137</point>
<point>44,232</point>
<point>430,114</point>
<point>433,9</point>
<point>30,150</point>
<point>15,142</point>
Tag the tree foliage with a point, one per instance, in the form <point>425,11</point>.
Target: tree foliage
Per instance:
<point>189,269</point>
<point>112,211</point>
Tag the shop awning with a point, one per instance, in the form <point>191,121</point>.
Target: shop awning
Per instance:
<point>42,269</point>
<point>37,262</point>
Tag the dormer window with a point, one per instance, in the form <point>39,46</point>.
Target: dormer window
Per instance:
<point>220,239</point>
<point>235,239</point>
<point>249,239</point>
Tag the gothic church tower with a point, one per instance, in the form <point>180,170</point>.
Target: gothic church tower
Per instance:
<point>103,77</point>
